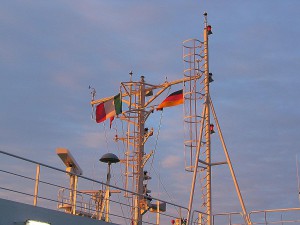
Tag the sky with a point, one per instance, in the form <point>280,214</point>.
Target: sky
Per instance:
<point>52,51</point>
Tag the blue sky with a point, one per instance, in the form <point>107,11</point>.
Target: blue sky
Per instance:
<point>51,51</point>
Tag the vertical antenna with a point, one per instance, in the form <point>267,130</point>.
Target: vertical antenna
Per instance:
<point>298,176</point>
<point>205,18</point>
<point>93,93</point>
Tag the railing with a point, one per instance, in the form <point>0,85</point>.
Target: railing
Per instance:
<point>198,218</point>
<point>27,181</point>
<point>232,218</point>
<point>276,216</point>
<point>261,217</point>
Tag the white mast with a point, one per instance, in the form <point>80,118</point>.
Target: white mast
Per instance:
<point>134,95</point>
<point>199,127</point>
<point>198,130</point>
<point>207,124</point>
<point>140,154</point>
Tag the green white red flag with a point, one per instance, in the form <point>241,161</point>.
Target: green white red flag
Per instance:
<point>109,109</point>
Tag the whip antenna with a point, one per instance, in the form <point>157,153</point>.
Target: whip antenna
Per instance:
<point>93,94</point>
<point>298,176</point>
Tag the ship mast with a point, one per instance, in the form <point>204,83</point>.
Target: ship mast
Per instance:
<point>140,153</point>
<point>207,122</point>
<point>199,127</point>
<point>134,95</point>
<point>198,109</point>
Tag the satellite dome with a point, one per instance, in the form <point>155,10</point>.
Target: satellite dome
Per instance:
<point>109,158</point>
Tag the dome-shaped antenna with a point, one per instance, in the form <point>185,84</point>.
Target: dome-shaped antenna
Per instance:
<point>109,158</point>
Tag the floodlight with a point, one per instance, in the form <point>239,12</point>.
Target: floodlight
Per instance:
<point>34,222</point>
<point>68,160</point>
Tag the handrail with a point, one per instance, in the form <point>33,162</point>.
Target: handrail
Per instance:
<point>90,208</point>
<point>86,178</point>
<point>271,211</point>
<point>88,204</point>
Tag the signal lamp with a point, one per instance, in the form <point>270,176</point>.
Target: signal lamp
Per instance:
<point>210,79</point>
<point>209,31</point>
<point>211,127</point>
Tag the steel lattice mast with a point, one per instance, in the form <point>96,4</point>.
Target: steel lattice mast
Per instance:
<point>134,95</point>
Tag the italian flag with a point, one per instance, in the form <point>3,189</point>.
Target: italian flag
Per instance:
<point>109,109</point>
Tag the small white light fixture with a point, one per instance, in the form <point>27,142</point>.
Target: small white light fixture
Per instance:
<point>34,222</point>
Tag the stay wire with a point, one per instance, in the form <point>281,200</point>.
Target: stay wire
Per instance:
<point>151,164</point>
<point>106,138</point>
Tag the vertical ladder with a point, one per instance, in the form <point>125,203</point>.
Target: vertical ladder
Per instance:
<point>198,127</point>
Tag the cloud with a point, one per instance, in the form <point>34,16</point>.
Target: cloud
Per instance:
<point>93,140</point>
<point>52,51</point>
<point>171,161</point>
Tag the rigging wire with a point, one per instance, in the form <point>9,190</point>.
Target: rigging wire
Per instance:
<point>93,94</point>
<point>121,205</point>
<point>158,132</point>
<point>106,138</point>
<point>96,157</point>
<point>156,173</point>
<point>153,156</point>
<point>124,147</point>
<point>123,131</point>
